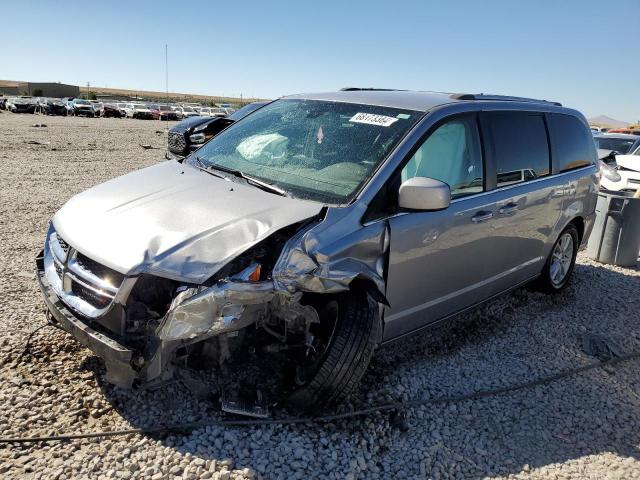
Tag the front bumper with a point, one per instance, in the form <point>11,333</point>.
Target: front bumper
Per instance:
<point>117,357</point>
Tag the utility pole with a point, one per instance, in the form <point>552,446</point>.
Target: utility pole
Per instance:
<point>166,70</point>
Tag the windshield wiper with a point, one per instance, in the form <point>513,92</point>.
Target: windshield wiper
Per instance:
<point>254,181</point>
<point>200,165</point>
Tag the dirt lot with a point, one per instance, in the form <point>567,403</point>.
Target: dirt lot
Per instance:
<point>587,426</point>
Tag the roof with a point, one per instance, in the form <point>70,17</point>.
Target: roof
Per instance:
<point>406,99</point>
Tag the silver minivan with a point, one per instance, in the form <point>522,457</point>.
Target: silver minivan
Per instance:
<point>317,228</point>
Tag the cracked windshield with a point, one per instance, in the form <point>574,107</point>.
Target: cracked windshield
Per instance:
<point>316,150</point>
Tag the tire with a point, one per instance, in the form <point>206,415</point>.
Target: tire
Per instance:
<point>355,335</point>
<point>558,268</point>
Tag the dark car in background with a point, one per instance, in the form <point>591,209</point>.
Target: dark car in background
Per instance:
<point>191,133</point>
<point>112,110</point>
<point>51,106</point>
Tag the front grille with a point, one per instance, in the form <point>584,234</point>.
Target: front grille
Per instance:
<point>64,245</point>
<point>58,269</point>
<point>105,273</point>
<point>89,296</point>
<point>177,142</point>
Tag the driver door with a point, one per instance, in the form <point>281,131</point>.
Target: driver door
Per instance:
<point>438,259</point>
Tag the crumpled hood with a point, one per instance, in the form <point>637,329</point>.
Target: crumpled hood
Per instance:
<point>174,221</point>
<point>632,162</point>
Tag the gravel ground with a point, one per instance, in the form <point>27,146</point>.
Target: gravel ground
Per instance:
<point>586,426</point>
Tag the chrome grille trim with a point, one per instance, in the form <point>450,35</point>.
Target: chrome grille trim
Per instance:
<point>77,286</point>
<point>90,279</point>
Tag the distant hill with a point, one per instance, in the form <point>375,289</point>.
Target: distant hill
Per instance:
<point>604,121</point>
<point>105,93</point>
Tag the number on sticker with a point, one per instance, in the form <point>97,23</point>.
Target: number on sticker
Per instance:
<point>373,119</point>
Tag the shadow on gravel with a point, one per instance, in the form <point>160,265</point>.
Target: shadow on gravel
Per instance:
<point>587,414</point>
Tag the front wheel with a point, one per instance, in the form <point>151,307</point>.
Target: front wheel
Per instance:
<point>561,262</point>
<point>346,338</point>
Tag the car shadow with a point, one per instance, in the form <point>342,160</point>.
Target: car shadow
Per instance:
<point>520,337</point>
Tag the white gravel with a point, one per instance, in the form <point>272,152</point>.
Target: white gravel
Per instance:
<point>585,427</point>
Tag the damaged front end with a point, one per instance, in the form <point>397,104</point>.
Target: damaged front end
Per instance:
<point>265,301</point>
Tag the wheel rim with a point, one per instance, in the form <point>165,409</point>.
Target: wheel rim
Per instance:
<point>323,334</point>
<point>561,259</point>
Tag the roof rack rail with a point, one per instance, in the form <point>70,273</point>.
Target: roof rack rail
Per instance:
<point>503,98</point>
<point>368,89</point>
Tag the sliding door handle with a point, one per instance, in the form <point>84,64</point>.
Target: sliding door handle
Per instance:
<point>508,209</point>
<point>482,216</point>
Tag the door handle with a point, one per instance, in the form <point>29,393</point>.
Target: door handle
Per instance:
<point>482,217</point>
<point>508,209</point>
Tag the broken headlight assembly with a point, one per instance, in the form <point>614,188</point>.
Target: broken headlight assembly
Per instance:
<point>209,311</point>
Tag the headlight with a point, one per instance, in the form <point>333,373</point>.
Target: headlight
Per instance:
<point>609,172</point>
<point>197,138</point>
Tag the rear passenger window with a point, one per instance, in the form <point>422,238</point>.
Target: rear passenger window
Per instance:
<point>520,145</point>
<point>571,142</point>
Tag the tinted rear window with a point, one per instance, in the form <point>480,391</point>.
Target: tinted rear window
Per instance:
<point>520,146</point>
<point>571,143</point>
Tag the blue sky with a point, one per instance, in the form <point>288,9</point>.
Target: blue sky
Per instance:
<point>583,53</point>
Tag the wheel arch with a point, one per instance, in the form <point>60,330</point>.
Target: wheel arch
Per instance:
<point>579,223</point>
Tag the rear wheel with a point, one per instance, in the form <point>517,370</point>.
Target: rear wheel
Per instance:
<point>561,262</point>
<point>344,343</point>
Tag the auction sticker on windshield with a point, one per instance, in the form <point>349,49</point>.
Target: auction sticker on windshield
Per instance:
<point>373,119</point>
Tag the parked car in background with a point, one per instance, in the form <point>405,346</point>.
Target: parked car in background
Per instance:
<point>142,111</point>
<point>138,110</point>
<point>112,110</point>
<point>68,105</point>
<point>621,143</point>
<point>3,103</point>
<point>186,112</point>
<point>317,228</point>
<point>213,112</point>
<point>629,131</point>
<point>21,105</point>
<point>98,107</point>
<point>83,107</point>
<point>51,106</point>
<point>163,112</point>
<point>191,133</point>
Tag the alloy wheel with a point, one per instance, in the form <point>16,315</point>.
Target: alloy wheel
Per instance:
<point>561,259</point>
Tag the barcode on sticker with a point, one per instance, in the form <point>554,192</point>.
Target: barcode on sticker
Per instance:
<point>373,119</point>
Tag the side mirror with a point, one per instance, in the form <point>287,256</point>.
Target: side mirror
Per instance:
<point>422,193</point>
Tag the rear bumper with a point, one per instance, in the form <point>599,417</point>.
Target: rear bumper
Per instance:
<point>589,221</point>
<point>116,356</point>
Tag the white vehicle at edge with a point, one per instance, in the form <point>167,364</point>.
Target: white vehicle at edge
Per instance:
<point>624,175</point>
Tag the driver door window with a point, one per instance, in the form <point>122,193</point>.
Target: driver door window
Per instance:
<point>451,154</point>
